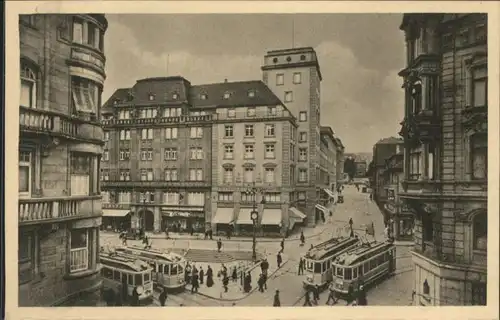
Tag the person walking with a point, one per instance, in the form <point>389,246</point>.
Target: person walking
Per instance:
<point>247,283</point>
<point>260,283</point>
<point>301,266</point>
<point>302,237</point>
<point>279,259</point>
<point>225,282</point>
<point>210,277</point>
<point>332,295</point>
<point>202,274</point>
<point>194,282</point>
<point>219,245</point>
<point>163,297</point>
<point>234,275</point>
<point>210,234</point>
<point>316,294</point>
<point>307,299</point>
<point>361,297</point>
<point>350,295</point>
<point>282,245</point>
<point>277,302</point>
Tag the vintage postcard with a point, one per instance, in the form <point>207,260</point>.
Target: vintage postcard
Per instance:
<point>173,156</point>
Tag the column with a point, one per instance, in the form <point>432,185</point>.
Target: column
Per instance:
<point>425,171</point>
<point>157,221</point>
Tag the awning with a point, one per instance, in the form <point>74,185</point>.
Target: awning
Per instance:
<point>114,213</point>
<point>320,207</point>
<point>297,213</point>
<point>223,216</point>
<point>271,217</point>
<point>244,216</point>
<point>329,193</point>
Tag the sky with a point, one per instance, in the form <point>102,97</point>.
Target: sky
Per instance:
<point>359,56</point>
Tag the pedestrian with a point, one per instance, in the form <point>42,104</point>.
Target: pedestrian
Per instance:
<point>109,297</point>
<point>332,296</point>
<point>194,283</point>
<point>210,277</point>
<point>225,282</point>
<point>277,302</point>
<point>206,234</point>
<point>302,237</point>
<point>163,297</point>
<point>282,244</point>
<point>311,247</point>
<point>361,297</point>
<point>223,270</point>
<point>187,273</point>
<point>210,233</point>
<point>235,274</point>
<point>202,274</point>
<point>350,294</point>
<point>316,294</point>
<point>260,283</point>
<point>219,245</point>
<point>279,259</point>
<point>166,233</point>
<point>192,231</point>
<point>301,266</point>
<point>264,275</point>
<point>135,298</point>
<point>307,299</point>
<point>247,283</point>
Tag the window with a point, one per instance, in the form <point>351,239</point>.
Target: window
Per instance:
<point>280,79</point>
<point>146,154</point>
<point>105,155</point>
<point>302,175</point>
<point>104,174</point>
<point>106,135</point>
<point>25,173</point>
<point>270,130</point>
<point>292,152</point>
<point>82,177</point>
<point>105,196</point>
<point>271,111</point>
<point>27,256</point>
<point>225,196</point>
<point>414,166</point>
<point>148,113</point>
<point>227,95</point>
<point>301,195</point>
<point>175,96</point>
<point>147,197</point>
<point>303,137</point>
<point>196,198</point>
<point>251,112</point>
<point>251,93</point>
<point>428,227</point>
<point>124,197</point>
<point>170,154</point>
<point>172,112</point>
<point>124,114</point>
<point>147,134</point>
<point>124,175</point>
<point>196,174</point>
<point>125,134</point>
<point>269,177</point>
<point>124,154</point>
<point>247,197</point>
<point>416,97</point>
<point>86,95</point>
<point>28,87</point>
<point>479,87</point>
<point>231,113</point>
<point>196,132</point>
<point>479,156</point>
<point>269,151</point>
<point>297,78</point>
<point>172,198</point>
<point>228,175</point>
<point>79,250</point>
<point>302,154</point>
<point>348,274</point>
<point>78,31</point>
<point>480,231</point>
<point>249,130</point>
<point>288,96</point>
<point>302,116</point>
<point>228,131</point>
<point>249,151</point>
<point>171,175</point>
<point>430,168</point>
<point>146,174</point>
<point>151,97</point>
<point>479,294</point>
<point>274,197</point>
<point>228,152</point>
<point>196,153</point>
<point>203,96</point>
<point>170,133</point>
<point>248,175</point>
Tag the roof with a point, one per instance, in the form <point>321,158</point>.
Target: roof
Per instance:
<point>390,140</point>
<point>360,252</point>
<point>324,130</point>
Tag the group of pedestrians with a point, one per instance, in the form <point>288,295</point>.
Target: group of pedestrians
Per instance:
<point>354,298</point>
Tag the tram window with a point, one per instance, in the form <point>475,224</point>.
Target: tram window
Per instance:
<point>107,273</point>
<point>117,275</point>
<point>138,279</point>
<point>340,272</point>
<point>130,279</point>
<point>366,267</point>
<point>333,269</point>
<point>373,264</point>
<point>328,264</point>
<point>173,270</point>
<point>354,273</point>
<point>360,270</point>
<point>380,259</point>
<point>348,274</point>
<point>386,256</point>
<point>324,266</point>
<point>317,267</point>
<point>166,269</point>
<point>309,265</point>
<point>146,277</point>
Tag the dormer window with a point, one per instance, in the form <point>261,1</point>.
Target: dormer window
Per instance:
<point>203,96</point>
<point>175,96</point>
<point>251,93</point>
<point>288,59</point>
<point>227,95</point>
<point>275,60</point>
<point>151,97</point>
<point>302,57</point>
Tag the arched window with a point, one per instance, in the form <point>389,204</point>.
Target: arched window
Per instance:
<point>28,86</point>
<point>480,231</point>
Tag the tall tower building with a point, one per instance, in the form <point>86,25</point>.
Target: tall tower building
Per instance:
<point>294,76</point>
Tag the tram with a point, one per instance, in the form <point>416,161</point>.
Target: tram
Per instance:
<point>121,271</point>
<point>317,261</point>
<point>168,267</point>
<point>362,265</point>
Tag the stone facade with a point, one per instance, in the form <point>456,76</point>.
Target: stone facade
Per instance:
<point>59,150</point>
<point>445,131</point>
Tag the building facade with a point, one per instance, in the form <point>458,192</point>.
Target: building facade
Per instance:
<point>328,164</point>
<point>361,167</point>
<point>339,170</point>
<point>445,132</point>
<point>295,77</point>
<point>61,81</point>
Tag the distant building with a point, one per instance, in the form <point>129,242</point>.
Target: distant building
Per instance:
<point>446,152</point>
<point>339,168</point>
<point>60,144</point>
<point>361,167</point>
<point>328,163</point>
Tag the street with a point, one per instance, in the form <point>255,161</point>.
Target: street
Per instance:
<point>393,291</point>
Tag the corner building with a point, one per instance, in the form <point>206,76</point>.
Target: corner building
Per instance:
<point>445,155</point>
<point>60,145</point>
<point>294,76</point>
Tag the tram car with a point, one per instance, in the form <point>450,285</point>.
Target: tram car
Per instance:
<point>168,267</point>
<point>317,261</point>
<point>362,265</point>
<point>121,273</point>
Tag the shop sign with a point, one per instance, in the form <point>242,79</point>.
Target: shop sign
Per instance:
<point>183,214</point>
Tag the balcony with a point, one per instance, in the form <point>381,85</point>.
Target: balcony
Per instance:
<point>427,125</point>
<point>421,188</point>
<point>208,118</point>
<point>86,57</point>
<point>36,121</point>
<point>475,119</point>
<point>52,210</point>
<point>155,184</point>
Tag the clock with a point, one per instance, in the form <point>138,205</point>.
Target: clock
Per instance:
<point>254,215</point>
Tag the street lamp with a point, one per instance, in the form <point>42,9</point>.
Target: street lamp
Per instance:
<point>254,215</point>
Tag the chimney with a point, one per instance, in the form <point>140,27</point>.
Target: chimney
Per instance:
<point>225,80</point>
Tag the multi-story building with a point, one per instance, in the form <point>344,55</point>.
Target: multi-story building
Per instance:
<point>328,164</point>
<point>399,216</point>
<point>382,150</point>
<point>339,170</point>
<point>446,152</point>
<point>361,168</point>
<point>60,145</point>
<point>294,76</point>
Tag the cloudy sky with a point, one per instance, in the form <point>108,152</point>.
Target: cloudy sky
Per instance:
<point>359,54</point>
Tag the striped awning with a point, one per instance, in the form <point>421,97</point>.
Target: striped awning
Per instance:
<point>223,216</point>
<point>320,207</point>
<point>297,213</point>
<point>329,193</point>
<point>114,213</point>
<point>244,216</point>
<point>271,217</point>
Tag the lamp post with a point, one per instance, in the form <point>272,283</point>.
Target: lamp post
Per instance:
<point>254,215</point>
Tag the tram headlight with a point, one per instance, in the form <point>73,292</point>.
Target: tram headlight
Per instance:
<point>140,290</point>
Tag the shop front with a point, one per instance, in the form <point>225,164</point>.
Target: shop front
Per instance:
<point>329,196</point>
<point>115,219</point>
<point>321,212</point>
<point>223,221</point>
<point>244,223</point>
<point>401,221</point>
<point>270,223</point>
<point>296,219</point>
<point>183,219</point>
